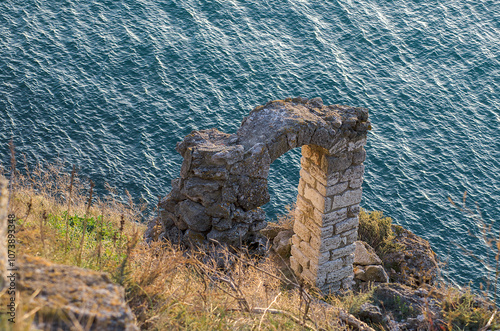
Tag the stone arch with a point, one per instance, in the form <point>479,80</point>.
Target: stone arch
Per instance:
<point>223,182</point>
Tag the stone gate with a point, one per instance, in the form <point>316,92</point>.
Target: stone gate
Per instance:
<point>223,182</point>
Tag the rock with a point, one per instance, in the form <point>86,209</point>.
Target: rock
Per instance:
<point>415,263</point>
<point>370,313</point>
<point>68,293</point>
<point>282,243</point>
<point>364,254</point>
<point>375,273</point>
<point>271,230</point>
<point>193,238</point>
<point>194,215</point>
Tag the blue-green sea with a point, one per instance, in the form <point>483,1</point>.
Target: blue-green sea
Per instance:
<point>112,85</point>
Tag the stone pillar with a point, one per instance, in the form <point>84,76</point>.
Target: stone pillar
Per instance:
<point>4,199</point>
<point>326,222</point>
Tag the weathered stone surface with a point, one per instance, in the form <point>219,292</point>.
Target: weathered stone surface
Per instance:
<point>222,224</point>
<point>194,215</point>
<point>90,297</point>
<point>252,192</point>
<point>364,254</point>
<point>282,243</point>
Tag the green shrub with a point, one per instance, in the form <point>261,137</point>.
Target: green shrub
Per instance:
<point>376,230</point>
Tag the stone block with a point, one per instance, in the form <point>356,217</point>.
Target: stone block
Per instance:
<point>219,209</point>
<point>340,274</point>
<point>252,192</point>
<point>315,241</point>
<point>355,183</point>
<point>313,153</point>
<point>326,268</point>
<point>304,207</point>
<point>349,259</point>
<point>353,211</point>
<point>353,145</point>
<point>258,225</point>
<point>295,266</point>
<point>354,172</point>
<point>338,147</point>
<point>229,155</point>
<point>302,185</point>
<point>346,225</point>
<point>212,173</point>
<point>301,230</point>
<point>278,147</point>
<point>91,298</point>
<point>321,258</point>
<point>319,202</point>
<point>348,198</point>
<point>222,224</point>
<point>338,163</point>
<point>341,252</point>
<point>296,240</point>
<point>255,163</point>
<point>308,276</point>
<point>307,250</point>
<point>358,156</point>
<point>334,217</point>
<point>332,190</point>
<point>347,283</point>
<point>300,257</point>
<point>364,254</point>
<point>201,190</point>
<point>351,236</point>
<point>319,174</point>
<point>329,244</point>
<point>305,176</point>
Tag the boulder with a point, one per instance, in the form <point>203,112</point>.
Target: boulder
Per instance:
<point>376,273</point>
<point>71,297</point>
<point>282,243</point>
<point>364,254</point>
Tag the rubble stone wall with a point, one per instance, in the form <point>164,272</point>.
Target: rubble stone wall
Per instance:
<point>223,182</point>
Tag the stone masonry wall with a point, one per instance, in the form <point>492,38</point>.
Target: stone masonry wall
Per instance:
<point>223,183</point>
<point>326,220</point>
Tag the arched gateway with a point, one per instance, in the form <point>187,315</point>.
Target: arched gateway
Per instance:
<point>223,182</point>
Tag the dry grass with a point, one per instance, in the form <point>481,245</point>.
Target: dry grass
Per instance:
<point>167,287</point>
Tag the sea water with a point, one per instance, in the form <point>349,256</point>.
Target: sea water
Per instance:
<point>112,85</point>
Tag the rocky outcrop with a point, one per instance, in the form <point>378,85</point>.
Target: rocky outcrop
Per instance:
<point>415,263</point>
<point>72,298</point>
<point>367,265</point>
<point>282,243</point>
